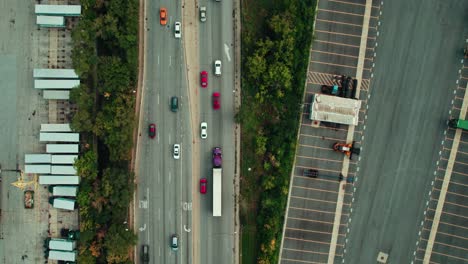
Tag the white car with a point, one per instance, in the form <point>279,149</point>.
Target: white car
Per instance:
<point>177,30</point>
<point>203,130</point>
<point>176,152</point>
<point>217,66</point>
<point>203,13</point>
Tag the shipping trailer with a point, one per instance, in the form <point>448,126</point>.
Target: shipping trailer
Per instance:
<point>37,169</point>
<point>37,158</point>
<point>62,148</point>
<point>58,10</point>
<point>62,190</point>
<point>56,84</point>
<point>59,137</point>
<point>59,180</point>
<point>55,128</point>
<point>64,159</point>
<point>56,95</point>
<point>55,74</point>
<point>66,170</point>
<point>50,21</point>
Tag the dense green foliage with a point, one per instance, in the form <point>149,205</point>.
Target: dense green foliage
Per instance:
<point>105,56</point>
<point>275,59</point>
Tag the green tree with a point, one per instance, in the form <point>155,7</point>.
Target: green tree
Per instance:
<point>83,97</point>
<point>86,165</point>
<point>118,243</point>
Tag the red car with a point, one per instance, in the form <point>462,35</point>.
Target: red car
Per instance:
<point>204,79</point>
<point>203,182</point>
<point>152,130</point>
<point>216,102</point>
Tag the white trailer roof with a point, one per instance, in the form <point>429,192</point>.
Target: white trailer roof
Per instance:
<point>62,244</point>
<point>59,137</point>
<point>55,128</point>
<point>335,109</point>
<point>56,95</point>
<point>217,191</point>
<point>37,169</point>
<point>54,74</point>
<point>63,159</point>
<point>56,84</point>
<point>63,203</point>
<point>68,170</point>
<point>64,191</point>
<point>50,21</point>
<point>62,255</point>
<point>37,158</point>
<point>64,10</point>
<point>62,148</point>
<point>59,180</point>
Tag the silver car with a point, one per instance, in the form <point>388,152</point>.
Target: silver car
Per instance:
<point>203,130</point>
<point>176,152</point>
<point>203,13</point>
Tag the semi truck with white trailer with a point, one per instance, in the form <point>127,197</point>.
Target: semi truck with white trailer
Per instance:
<point>56,84</point>
<point>50,21</point>
<point>58,10</point>
<point>59,137</point>
<point>55,74</point>
<point>60,244</point>
<point>62,255</point>
<point>63,159</point>
<point>55,128</point>
<point>62,169</point>
<point>63,203</point>
<point>37,158</point>
<point>65,191</point>
<point>59,180</point>
<point>217,181</point>
<point>62,148</point>
<point>35,168</point>
<point>56,95</point>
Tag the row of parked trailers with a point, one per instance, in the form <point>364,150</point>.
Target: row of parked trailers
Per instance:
<point>55,83</point>
<point>53,16</point>
<point>61,249</point>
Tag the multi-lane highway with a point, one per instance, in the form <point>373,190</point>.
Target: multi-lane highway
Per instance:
<point>168,200</point>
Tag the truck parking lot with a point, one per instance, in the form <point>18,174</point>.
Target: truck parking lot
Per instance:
<point>313,200</point>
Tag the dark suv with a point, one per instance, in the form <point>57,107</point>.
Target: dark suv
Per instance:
<point>174,103</point>
<point>145,254</point>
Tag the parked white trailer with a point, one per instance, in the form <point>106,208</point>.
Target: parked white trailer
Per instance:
<point>58,10</point>
<point>56,95</point>
<point>67,170</point>
<point>56,84</point>
<point>69,191</point>
<point>55,128</point>
<point>37,158</point>
<point>37,169</point>
<point>59,180</point>
<point>62,244</point>
<point>62,148</point>
<point>62,255</point>
<point>59,137</point>
<point>50,21</point>
<point>63,203</point>
<point>217,191</point>
<point>55,74</point>
<point>64,159</point>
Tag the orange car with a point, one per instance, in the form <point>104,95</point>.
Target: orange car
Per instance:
<point>163,16</point>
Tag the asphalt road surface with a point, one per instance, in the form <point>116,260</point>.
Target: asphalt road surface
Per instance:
<point>165,185</point>
<point>216,38</point>
<point>417,64</point>
<point>163,197</point>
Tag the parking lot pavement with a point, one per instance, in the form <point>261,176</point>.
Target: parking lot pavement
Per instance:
<point>22,231</point>
<point>450,244</point>
<point>313,201</point>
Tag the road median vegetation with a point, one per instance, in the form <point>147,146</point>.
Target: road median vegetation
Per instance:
<point>276,39</point>
<point>105,48</point>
